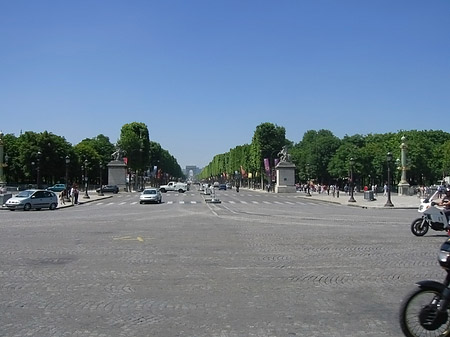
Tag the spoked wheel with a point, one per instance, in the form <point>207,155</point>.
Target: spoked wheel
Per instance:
<point>419,316</point>
<point>419,227</point>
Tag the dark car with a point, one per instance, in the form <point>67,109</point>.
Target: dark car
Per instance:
<point>108,189</point>
<point>223,187</point>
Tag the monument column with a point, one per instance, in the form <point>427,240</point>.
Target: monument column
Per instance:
<point>403,186</point>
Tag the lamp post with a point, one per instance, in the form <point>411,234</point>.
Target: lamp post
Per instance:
<point>86,195</point>
<point>38,169</point>
<point>101,182</point>
<point>352,199</point>
<point>308,185</point>
<point>66,196</point>
<point>2,177</point>
<point>389,160</point>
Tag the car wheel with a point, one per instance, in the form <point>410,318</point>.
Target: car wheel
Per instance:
<point>27,207</point>
<point>52,206</point>
<point>12,209</point>
<point>140,202</point>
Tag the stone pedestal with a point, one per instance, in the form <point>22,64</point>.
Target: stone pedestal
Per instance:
<point>285,178</point>
<point>403,189</point>
<point>117,174</point>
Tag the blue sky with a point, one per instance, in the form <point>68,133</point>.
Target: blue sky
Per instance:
<point>202,74</point>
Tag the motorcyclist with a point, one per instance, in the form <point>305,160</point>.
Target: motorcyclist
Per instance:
<point>445,202</point>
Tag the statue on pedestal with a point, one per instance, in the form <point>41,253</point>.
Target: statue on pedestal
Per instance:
<point>284,155</point>
<point>118,154</point>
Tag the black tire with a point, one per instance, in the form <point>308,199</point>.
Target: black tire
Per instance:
<point>418,316</point>
<point>52,206</point>
<point>180,191</point>
<point>27,207</point>
<point>163,190</point>
<point>419,227</point>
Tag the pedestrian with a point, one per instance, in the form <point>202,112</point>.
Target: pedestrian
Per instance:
<point>62,195</point>
<point>71,194</point>
<point>385,190</point>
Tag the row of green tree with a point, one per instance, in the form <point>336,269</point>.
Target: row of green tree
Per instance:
<point>326,159</point>
<point>48,157</point>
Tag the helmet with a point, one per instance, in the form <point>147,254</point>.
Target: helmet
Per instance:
<point>444,255</point>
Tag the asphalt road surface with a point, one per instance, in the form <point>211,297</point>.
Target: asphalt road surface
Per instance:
<point>256,264</point>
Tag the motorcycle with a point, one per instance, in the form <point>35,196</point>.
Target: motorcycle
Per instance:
<point>425,310</point>
<point>432,217</point>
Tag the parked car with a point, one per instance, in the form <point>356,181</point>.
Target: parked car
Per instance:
<point>108,189</point>
<point>222,187</point>
<point>57,188</point>
<point>33,199</point>
<point>150,195</point>
<point>229,186</point>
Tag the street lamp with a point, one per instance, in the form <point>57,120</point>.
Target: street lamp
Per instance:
<point>66,196</point>
<point>308,185</point>
<point>86,195</point>
<point>389,160</point>
<point>101,183</point>
<point>352,162</point>
<point>38,169</point>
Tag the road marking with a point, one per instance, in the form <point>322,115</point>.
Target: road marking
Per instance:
<point>170,202</point>
<point>130,238</point>
<point>255,202</point>
<point>181,202</point>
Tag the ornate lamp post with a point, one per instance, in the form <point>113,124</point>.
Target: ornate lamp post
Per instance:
<point>86,195</point>
<point>38,169</point>
<point>2,177</point>
<point>307,181</point>
<point>352,162</point>
<point>101,182</point>
<point>66,196</point>
<point>389,160</point>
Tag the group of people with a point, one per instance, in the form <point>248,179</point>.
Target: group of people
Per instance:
<point>72,195</point>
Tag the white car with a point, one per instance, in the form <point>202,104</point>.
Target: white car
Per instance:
<point>150,195</point>
<point>33,199</point>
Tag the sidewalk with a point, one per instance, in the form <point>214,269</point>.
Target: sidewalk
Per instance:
<point>399,201</point>
<point>93,196</point>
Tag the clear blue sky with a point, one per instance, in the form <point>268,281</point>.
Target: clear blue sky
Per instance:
<point>203,74</point>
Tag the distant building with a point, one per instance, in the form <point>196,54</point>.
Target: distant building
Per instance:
<point>191,172</point>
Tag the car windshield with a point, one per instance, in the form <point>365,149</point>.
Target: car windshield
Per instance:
<point>150,192</point>
<point>24,194</point>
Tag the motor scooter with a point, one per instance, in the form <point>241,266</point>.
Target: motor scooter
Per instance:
<point>432,217</point>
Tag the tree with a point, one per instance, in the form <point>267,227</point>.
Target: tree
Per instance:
<point>313,154</point>
<point>134,141</point>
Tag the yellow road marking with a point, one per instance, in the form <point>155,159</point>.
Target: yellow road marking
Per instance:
<point>130,238</point>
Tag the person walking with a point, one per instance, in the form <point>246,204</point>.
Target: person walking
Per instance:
<point>62,195</point>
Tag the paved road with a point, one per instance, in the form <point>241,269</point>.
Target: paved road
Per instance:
<point>256,264</point>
